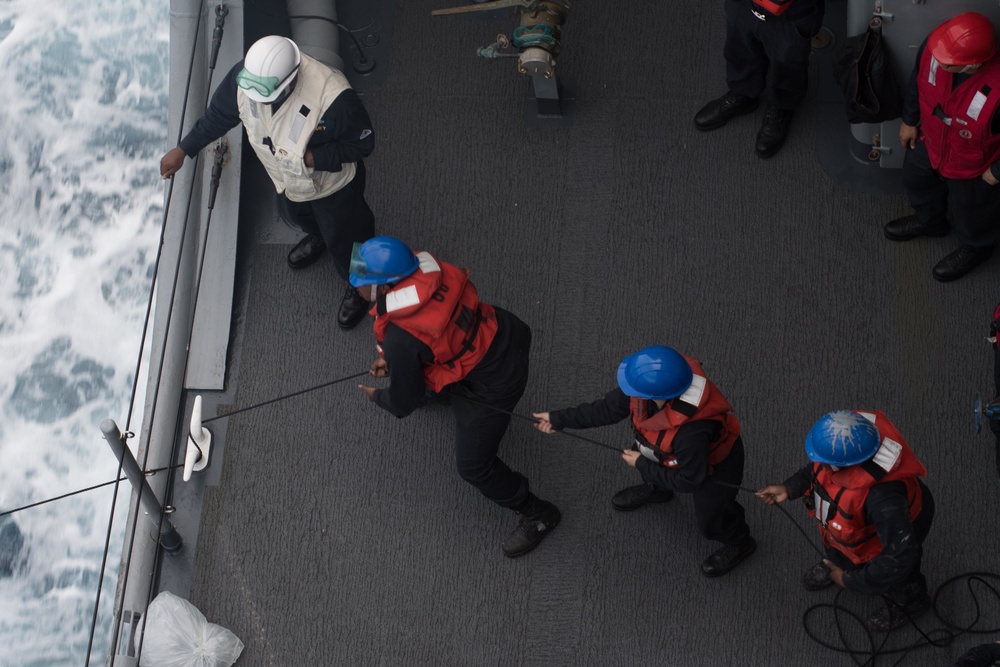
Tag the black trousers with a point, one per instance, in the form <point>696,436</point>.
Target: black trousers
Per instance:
<point>479,430</point>
<point>974,204</point>
<point>776,48</point>
<point>716,511</point>
<point>914,587</point>
<point>342,219</point>
<point>718,514</point>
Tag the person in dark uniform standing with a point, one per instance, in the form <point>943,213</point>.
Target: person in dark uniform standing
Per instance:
<point>874,513</point>
<point>951,135</point>
<point>435,334</point>
<point>687,440</point>
<point>310,131</point>
<point>767,51</point>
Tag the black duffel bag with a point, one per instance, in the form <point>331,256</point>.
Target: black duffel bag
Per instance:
<point>862,68</point>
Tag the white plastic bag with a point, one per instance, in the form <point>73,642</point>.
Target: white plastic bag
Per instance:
<point>178,635</point>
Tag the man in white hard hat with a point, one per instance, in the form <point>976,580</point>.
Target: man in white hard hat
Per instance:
<point>310,131</point>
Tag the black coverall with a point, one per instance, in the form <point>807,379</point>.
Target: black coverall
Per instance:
<point>895,571</point>
<point>718,514</point>
<point>974,203</point>
<point>775,47</point>
<point>498,379</point>
<point>343,135</point>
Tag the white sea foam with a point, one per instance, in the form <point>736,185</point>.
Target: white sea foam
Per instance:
<point>84,120</point>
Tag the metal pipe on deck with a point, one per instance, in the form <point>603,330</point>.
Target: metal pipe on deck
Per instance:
<point>316,37</point>
<point>169,539</point>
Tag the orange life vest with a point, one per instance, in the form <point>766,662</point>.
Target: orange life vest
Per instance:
<point>655,434</point>
<point>438,305</point>
<point>838,498</point>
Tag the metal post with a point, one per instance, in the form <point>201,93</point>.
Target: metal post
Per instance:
<point>170,540</point>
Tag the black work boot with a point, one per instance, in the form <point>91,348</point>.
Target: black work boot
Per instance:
<point>961,261</point>
<point>306,251</point>
<point>910,227</point>
<point>538,519</point>
<point>636,496</point>
<point>728,557</point>
<point>352,309</point>
<point>773,131</point>
<point>720,111</point>
<point>892,615</point>
<point>817,577</point>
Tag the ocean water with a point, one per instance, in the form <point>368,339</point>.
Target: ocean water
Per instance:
<point>84,125</point>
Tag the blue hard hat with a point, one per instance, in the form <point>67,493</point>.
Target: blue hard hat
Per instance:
<point>842,438</point>
<point>381,260</point>
<point>657,372</point>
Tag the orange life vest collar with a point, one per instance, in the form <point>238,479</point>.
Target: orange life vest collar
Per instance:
<point>838,498</point>
<point>438,305</point>
<point>655,433</point>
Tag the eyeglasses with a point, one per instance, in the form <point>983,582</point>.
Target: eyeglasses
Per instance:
<point>264,85</point>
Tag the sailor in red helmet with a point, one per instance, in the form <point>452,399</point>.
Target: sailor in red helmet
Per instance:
<point>435,334</point>
<point>767,53</point>
<point>874,512</point>
<point>951,134</point>
<point>687,440</point>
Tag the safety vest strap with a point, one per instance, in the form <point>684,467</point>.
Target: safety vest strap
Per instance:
<point>472,329</point>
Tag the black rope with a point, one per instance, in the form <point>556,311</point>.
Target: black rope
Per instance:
<point>465,395</point>
<point>945,636</point>
<point>149,473</point>
<point>281,398</point>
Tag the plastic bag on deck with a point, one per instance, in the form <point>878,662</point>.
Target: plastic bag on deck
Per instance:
<point>178,635</point>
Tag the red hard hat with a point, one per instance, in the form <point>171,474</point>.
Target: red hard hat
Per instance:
<point>966,39</point>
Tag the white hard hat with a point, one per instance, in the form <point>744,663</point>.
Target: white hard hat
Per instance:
<point>269,68</point>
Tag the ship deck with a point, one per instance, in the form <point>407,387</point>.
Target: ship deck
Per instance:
<point>340,535</point>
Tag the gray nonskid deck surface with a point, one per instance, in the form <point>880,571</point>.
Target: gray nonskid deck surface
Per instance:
<point>341,535</point>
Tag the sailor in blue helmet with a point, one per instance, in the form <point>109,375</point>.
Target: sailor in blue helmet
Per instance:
<point>687,440</point>
<point>863,486</point>
<point>435,334</point>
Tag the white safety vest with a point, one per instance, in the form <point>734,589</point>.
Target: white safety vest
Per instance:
<point>289,128</point>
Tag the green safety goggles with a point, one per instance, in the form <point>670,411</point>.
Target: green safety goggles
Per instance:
<point>263,85</point>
